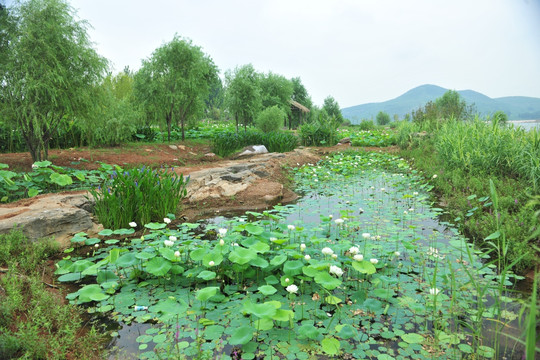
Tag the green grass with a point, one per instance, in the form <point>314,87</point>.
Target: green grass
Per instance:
<point>34,324</point>
<point>464,156</point>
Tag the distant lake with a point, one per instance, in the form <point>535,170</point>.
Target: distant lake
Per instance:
<point>526,124</point>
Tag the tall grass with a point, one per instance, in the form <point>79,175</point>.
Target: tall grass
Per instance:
<point>139,195</point>
<point>463,155</point>
<point>226,143</point>
<point>483,148</point>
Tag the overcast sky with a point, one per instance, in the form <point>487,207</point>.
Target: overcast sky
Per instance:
<point>357,51</point>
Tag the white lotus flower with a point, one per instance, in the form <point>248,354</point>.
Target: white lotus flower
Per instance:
<point>415,193</point>
<point>133,224</point>
<point>339,221</point>
<point>334,256</point>
<point>292,289</point>
<point>221,242</point>
<point>291,227</point>
<point>366,235</point>
<point>211,263</point>
<point>354,250</point>
<point>302,247</point>
<point>434,291</point>
<point>172,238</point>
<point>330,216</point>
<point>307,257</point>
<point>336,270</point>
<point>373,261</point>
<point>434,176</point>
<point>222,232</point>
<point>177,253</point>
<point>397,253</point>
<point>358,257</point>
<point>168,243</point>
<point>287,280</point>
<point>166,220</point>
<point>327,251</point>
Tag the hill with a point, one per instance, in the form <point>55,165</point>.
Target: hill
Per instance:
<point>517,107</point>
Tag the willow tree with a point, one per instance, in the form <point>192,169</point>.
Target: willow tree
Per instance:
<point>243,94</point>
<point>174,82</point>
<point>49,70</point>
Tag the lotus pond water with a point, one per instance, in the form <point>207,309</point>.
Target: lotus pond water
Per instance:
<point>359,268</point>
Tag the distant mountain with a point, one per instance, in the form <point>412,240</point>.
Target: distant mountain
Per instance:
<point>517,107</point>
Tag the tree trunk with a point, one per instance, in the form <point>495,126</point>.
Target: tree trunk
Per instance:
<point>169,119</point>
<point>182,121</point>
<point>236,118</point>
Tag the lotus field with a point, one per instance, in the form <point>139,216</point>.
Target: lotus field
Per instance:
<point>359,268</point>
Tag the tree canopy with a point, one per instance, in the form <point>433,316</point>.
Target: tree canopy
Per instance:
<point>174,82</point>
<point>331,107</point>
<point>243,94</point>
<point>49,69</point>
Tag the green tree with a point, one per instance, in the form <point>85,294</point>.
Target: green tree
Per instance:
<point>270,119</point>
<point>500,117</point>
<point>276,90</point>
<point>300,95</point>
<point>174,82</point>
<point>48,72</point>
<point>331,106</point>
<point>382,118</point>
<point>243,94</point>
<point>451,105</point>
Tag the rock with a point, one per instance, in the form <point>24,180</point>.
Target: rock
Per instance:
<point>182,147</point>
<point>343,141</point>
<point>57,215</point>
<point>174,147</point>
<point>209,155</point>
<point>252,150</point>
<point>192,153</point>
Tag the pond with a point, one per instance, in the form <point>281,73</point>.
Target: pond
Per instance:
<point>360,266</point>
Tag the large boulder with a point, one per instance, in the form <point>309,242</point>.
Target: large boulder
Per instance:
<point>54,215</point>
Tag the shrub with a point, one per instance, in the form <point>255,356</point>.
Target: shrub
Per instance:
<point>382,118</point>
<point>141,195</point>
<point>366,125</point>
<point>270,119</point>
<point>318,133</point>
<point>226,143</point>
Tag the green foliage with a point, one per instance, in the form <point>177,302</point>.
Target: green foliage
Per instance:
<point>34,324</point>
<point>286,287</point>
<point>382,118</point>
<point>173,84</point>
<point>500,117</point>
<point>449,106</point>
<point>115,117</point>
<point>463,155</point>
<point>379,138</point>
<point>276,90</point>
<point>16,249</point>
<point>331,107</point>
<point>50,70</point>
<point>243,94</point>
<point>366,125</point>
<point>322,131</point>
<point>141,195</point>
<point>227,143</point>
<point>300,95</point>
<point>271,119</point>
<point>46,178</point>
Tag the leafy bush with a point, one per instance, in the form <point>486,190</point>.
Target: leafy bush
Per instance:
<point>366,125</point>
<point>270,119</point>
<point>226,143</point>
<point>382,118</point>
<point>141,195</point>
<point>318,133</point>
